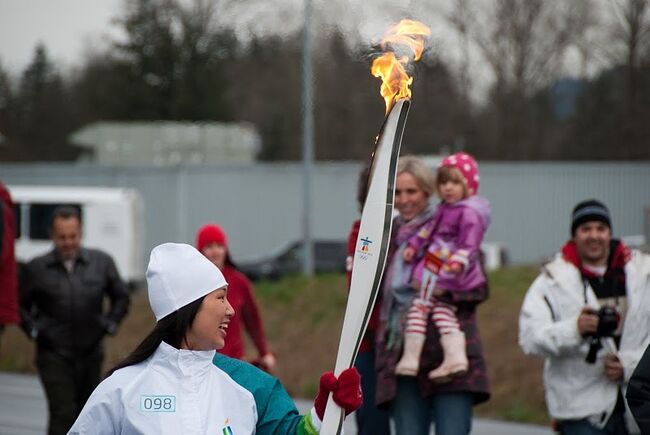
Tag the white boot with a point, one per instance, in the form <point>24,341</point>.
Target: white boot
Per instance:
<point>414,335</point>
<point>455,359</point>
<point>409,364</point>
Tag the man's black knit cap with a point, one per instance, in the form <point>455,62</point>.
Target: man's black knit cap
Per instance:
<point>590,210</point>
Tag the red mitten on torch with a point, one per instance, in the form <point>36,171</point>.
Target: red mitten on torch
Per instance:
<point>346,391</point>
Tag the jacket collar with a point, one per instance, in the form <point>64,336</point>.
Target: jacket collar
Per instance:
<point>53,257</point>
<point>638,271</point>
<point>567,276</point>
<point>182,361</point>
<point>563,272</point>
<point>619,256</point>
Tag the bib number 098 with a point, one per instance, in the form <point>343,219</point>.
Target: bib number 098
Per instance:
<point>158,403</point>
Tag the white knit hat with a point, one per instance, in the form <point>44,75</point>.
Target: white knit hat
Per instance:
<point>177,275</point>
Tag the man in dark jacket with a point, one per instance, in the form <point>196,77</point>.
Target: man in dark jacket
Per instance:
<point>8,286</point>
<point>62,309</point>
<point>638,393</point>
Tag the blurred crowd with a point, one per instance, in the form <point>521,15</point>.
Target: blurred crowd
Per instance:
<point>420,361</point>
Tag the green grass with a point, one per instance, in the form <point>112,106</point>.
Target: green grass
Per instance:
<point>10,363</point>
<point>292,287</point>
<point>511,282</point>
<point>517,389</point>
<point>522,412</point>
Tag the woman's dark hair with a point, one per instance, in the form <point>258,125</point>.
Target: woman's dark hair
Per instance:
<point>363,183</point>
<point>171,329</point>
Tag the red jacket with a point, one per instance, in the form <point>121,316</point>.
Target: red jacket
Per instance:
<point>240,296</point>
<point>8,280</point>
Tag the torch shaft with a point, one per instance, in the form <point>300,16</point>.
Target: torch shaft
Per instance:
<point>370,252</point>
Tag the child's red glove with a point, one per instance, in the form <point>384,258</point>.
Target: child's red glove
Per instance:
<point>346,391</point>
<point>453,267</point>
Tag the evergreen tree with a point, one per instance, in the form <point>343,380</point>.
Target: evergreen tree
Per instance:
<point>172,61</point>
<point>41,121</point>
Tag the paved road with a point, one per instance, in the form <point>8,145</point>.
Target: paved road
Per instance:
<point>23,411</point>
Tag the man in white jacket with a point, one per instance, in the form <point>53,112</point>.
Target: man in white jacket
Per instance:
<point>589,356</point>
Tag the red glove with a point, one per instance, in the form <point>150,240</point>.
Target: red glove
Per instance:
<point>346,391</point>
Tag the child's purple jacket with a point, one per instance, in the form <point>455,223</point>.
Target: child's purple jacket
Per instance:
<point>459,228</point>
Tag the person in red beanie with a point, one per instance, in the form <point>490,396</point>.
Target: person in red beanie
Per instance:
<point>8,280</point>
<point>212,242</point>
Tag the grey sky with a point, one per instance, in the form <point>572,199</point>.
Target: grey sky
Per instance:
<point>69,27</point>
<point>65,26</point>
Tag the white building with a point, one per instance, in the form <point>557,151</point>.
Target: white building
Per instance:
<point>164,143</point>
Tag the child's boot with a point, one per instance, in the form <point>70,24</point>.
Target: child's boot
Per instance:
<point>455,358</point>
<point>409,364</point>
<point>414,336</point>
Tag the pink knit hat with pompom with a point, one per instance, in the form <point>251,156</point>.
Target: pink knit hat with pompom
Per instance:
<point>467,166</point>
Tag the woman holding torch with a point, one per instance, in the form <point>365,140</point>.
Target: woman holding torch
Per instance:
<point>174,382</point>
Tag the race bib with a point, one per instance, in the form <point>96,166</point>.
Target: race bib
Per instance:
<point>158,403</point>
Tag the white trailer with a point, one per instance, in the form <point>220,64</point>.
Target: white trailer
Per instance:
<point>112,220</point>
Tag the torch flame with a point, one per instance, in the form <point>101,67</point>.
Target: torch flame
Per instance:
<point>409,35</point>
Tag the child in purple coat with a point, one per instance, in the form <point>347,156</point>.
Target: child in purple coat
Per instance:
<point>452,239</point>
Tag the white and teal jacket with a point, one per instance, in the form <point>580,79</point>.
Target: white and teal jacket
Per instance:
<point>191,392</point>
<point>548,328</point>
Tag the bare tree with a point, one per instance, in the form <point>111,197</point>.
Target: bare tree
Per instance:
<point>630,44</point>
<point>625,30</point>
<point>524,43</point>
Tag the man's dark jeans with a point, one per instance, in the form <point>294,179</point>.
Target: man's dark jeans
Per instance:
<point>68,383</point>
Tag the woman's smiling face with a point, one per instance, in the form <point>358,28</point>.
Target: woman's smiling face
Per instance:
<point>410,199</point>
<point>209,328</point>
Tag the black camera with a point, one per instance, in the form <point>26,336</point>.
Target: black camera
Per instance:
<point>608,319</point>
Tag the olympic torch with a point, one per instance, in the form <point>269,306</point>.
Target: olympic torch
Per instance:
<point>376,217</point>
